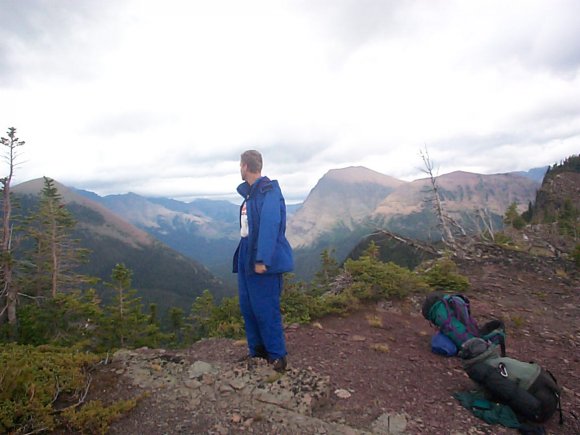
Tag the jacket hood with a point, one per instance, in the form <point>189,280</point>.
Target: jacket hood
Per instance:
<point>263,184</point>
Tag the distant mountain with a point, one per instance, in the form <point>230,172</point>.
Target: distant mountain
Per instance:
<point>349,205</point>
<point>466,197</point>
<point>341,199</point>
<point>160,274</point>
<point>204,230</point>
<point>345,206</point>
<point>536,174</point>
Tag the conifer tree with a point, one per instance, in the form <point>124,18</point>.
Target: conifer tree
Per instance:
<point>56,253</point>
<point>200,316</point>
<point>8,289</point>
<point>126,325</point>
<point>70,320</point>
<point>177,325</point>
<point>328,271</point>
<point>513,218</point>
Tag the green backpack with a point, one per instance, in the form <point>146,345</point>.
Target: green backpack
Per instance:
<point>452,315</point>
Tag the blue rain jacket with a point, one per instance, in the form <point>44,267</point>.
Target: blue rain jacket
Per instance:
<point>266,211</point>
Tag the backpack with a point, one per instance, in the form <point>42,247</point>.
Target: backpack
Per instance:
<point>452,314</point>
<point>442,345</point>
<point>529,389</point>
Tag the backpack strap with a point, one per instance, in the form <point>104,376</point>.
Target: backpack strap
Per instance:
<point>557,393</point>
<point>502,345</point>
<point>459,305</point>
<point>494,331</point>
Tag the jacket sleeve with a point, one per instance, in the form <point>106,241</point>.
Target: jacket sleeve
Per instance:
<point>505,390</point>
<point>270,217</point>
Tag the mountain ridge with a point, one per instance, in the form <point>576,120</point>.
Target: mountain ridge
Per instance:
<point>161,275</point>
<point>344,205</point>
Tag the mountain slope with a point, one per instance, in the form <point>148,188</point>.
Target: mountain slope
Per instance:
<point>343,209</point>
<point>204,230</point>
<point>559,195</point>
<point>341,198</point>
<point>461,191</point>
<point>160,274</point>
<point>103,222</point>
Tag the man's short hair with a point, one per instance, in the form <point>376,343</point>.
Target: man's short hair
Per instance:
<point>253,159</point>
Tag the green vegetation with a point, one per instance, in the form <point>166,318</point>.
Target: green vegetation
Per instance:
<point>94,417</point>
<point>127,325</point>
<point>502,238</point>
<point>374,280</point>
<point>513,218</point>
<point>570,164</point>
<point>443,275</point>
<point>553,207</point>
<point>56,254</point>
<point>210,320</point>
<point>42,388</point>
<point>70,320</point>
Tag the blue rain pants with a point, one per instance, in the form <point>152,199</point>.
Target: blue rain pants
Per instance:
<point>259,296</point>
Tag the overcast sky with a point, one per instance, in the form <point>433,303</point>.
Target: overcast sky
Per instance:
<point>161,97</point>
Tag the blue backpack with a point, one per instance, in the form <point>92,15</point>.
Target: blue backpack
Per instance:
<point>443,345</point>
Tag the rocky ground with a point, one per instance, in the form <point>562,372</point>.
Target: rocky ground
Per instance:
<point>370,372</point>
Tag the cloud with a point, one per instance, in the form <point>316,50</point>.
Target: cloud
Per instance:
<point>161,98</point>
<point>52,39</point>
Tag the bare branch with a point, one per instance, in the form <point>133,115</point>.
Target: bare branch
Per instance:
<point>81,399</point>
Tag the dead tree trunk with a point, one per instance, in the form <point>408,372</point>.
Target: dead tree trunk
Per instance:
<point>9,292</point>
<point>446,234</point>
<point>446,223</point>
<point>487,222</point>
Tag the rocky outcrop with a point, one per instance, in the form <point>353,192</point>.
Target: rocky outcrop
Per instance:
<point>232,397</point>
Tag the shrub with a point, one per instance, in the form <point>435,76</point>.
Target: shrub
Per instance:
<point>443,275</point>
<point>211,320</point>
<point>298,306</point>
<point>519,223</point>
<point>95,417</point>
<point>35,379</point>
<point>340,303</point>
<point>70,319</point>
<point>503,239</point>
<point>375,280</point>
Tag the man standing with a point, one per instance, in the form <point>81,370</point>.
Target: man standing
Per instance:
<point>263,255</point>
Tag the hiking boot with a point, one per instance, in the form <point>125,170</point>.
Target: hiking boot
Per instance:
<point>279,364</point>
<point>245,358</point>
<point>260,353</point>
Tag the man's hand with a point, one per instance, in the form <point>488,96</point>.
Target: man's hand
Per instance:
<point>260,268</point>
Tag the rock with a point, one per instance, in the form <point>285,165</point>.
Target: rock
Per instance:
<point>341,393</point>
<point>192,383</point>
<point>225,389</point>
<point>237,384</point>
<point>199,368</point>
